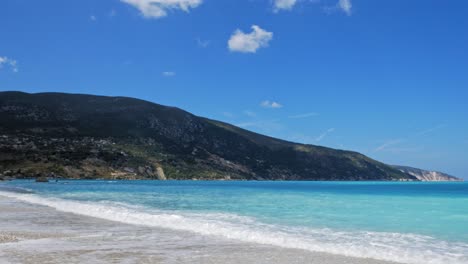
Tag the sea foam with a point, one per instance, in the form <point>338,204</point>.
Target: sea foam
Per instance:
<point>397,247</point>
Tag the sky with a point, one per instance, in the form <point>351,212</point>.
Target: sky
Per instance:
<point>388,79</point>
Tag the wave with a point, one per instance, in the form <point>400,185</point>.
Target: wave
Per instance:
<point>15,189</point>
<point>397,247</point>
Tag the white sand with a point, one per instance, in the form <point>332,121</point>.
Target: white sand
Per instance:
<point>32,234</point>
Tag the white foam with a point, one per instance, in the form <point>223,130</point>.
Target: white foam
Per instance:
<point>403,248</point>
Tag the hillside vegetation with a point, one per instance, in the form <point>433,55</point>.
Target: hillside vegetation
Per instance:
<point>87,136</point>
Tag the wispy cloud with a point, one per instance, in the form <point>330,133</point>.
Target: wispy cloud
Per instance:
<point>265,126</point>
<point>430,130</point>
<point>394,145</point>
<point>283,5</point>
<point>249,42</point>
<point>202,43</point>
<point>168,74</point>
<point>302,138</point>
<point>308,139</point>
<point>250,113</point>
<point>270,104</point>
<point>160,8</point>
<point>247,124</point>
<point>92,18</point>
<point>324,134</point>
<point>388,144</point>
<point>127,62</point>
<point>228,114</point>
<point>12,64</point>
<point>112,13</point>
<point>398,150</point>
<point>305,115</point>
<point>340,146</point>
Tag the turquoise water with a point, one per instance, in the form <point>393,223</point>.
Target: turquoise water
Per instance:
<point>404,222</point>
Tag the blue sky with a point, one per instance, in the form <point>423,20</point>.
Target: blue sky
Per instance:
<point>385,78</point>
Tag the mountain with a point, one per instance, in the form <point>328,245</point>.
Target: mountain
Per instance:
<point>424,175</point>
<point>87,136</point>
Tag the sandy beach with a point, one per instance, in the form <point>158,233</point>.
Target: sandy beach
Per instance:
<point>37,234</point>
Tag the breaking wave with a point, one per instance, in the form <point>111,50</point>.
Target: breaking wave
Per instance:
<point>397,247</point>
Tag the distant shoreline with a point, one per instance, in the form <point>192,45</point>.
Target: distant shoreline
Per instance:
<point>51,180</point>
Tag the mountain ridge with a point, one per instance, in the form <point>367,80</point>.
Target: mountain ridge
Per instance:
<point>88,136</point>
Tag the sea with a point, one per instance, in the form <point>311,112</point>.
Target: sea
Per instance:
<point>403,222</point>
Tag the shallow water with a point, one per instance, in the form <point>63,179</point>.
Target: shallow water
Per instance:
<point>403,222</point>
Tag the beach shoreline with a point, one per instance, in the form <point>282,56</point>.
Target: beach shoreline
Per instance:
<point>38,234</point>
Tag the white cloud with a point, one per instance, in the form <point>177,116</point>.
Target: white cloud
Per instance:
<point>92,18</point>
<point>5,61</point>
<point>324,134</point>
<point>249,42</point>
<point>284,4</point>
<point>270,104</point>
<point>168,74</point>
<point>159,8</point>
<point>287,5</point>
<point>306,115</point>
<point>345,6</point>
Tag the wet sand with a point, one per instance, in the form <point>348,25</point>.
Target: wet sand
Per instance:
<point>31,234</point>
